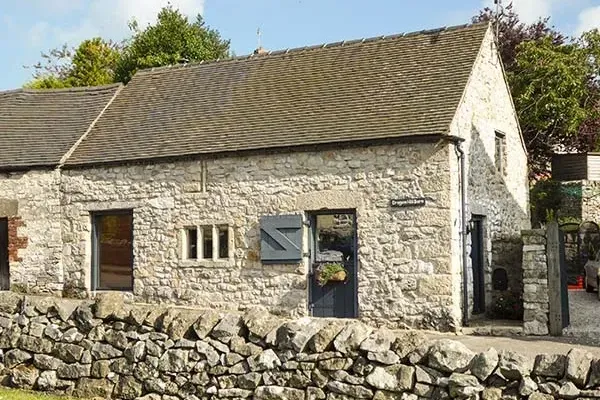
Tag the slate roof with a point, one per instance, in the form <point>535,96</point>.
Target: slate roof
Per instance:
<point>388,87</point>
<point>38,127</point>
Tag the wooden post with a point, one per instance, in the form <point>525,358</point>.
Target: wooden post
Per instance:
<point>554,282</point>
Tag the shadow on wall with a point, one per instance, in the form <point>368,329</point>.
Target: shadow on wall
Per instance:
<point>489,196</point>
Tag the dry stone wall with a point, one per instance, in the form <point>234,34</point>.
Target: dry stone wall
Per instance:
<point>535,283</point>
<point>110,349</point>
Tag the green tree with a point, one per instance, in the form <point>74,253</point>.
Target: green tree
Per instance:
<point>94,63</point>
<point>554,93</point>
<point>512,32</point>
<point>553,80</point>
<point>47,82</point>
<point>172,40</point>
<point>55,62</point>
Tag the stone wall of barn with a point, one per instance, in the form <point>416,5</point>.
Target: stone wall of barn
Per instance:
<point>501,197</point>
<point>404,274</point>
<point>111,349</point>
<point>31,202</point>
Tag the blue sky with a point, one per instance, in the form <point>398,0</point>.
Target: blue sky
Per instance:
<point>28,27</point>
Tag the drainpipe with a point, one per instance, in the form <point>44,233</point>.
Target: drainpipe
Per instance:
<point>464,231</point>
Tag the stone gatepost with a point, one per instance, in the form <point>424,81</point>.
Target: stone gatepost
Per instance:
<point>535,283</point>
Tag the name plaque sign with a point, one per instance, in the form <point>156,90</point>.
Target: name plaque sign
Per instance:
<point>412,202</point>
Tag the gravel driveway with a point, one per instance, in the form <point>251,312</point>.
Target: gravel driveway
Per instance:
<point>584,310</point>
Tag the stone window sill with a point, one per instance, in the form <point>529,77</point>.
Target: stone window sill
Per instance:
<point>127,294</point>
<point>224,263</point>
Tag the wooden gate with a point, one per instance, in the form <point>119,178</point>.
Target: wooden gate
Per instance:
<point>558,294</point>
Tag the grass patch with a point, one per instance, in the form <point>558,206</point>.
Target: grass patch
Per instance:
<point>12,394</point>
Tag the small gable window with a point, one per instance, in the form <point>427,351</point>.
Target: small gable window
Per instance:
<point>500,157</point>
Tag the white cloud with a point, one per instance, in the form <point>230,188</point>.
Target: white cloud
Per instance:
<point>56,7</point>
<point>589,18</point>
<point>115,14</point>
<point>109,18</point>
<point>529,10</point>
<point>38,32</point>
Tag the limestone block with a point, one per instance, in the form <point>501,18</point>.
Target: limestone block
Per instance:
<point>448,355</point>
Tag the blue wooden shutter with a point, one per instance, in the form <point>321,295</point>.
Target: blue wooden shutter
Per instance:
<point>281,239</point>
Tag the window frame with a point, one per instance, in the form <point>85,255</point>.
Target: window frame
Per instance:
<point>95,253</point>
<point>215,242</point>
<point>187,243</point>
<point>217,234</point>
<point>201,238</point>
<point>500,156</point>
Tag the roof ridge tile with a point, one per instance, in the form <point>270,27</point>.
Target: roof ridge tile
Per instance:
<point>73,89</point>
<point>329,45</point>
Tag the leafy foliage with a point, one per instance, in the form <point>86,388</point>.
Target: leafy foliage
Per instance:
<point>47,82</point>
<point>553,82</point>
<point>554,96</point>
<point>94,63</point>
<point>507,306</point>
<point>331,272</point>
<point>55,63</point>
<point>512,32</point>
<point>172,40</point>
<point>546,198</point>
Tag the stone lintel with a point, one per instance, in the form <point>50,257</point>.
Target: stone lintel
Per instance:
<point>328,200</point>
<point>9,208</point>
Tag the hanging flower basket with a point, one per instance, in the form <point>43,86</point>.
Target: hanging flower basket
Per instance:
<point>331,272</point>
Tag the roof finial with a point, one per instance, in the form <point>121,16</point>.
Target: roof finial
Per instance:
<point>258,37</point>
<point>497,14</point>
<point>259,49</point>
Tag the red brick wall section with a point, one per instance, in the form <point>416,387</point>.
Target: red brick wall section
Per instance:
<point>14,241</point>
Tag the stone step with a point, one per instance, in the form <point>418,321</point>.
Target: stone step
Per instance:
<point>493,330</point>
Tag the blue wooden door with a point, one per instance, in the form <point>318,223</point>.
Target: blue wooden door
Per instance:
<point>333,242</point>
<point>477,262</point>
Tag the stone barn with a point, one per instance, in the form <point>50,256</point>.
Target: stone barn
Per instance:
<point>38,129</point>
<point>383,179</point>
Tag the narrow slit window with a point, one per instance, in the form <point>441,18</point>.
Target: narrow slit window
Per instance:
<point>192,243</point>
<point>207,242</point>
<point>500,152</point>
<point>223,241</point>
